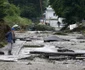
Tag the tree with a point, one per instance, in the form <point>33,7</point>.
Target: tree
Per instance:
<point>12,10</point>
<point>29,11</point>
<point>72,10</point>
<point>2,8</point>
<point>30,8</point>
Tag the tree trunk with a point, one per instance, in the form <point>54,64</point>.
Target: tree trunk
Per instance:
<point>3,30</point>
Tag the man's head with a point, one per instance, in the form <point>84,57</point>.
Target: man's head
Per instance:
<point>13,29</point>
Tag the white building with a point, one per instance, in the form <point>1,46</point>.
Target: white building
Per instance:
<point>51,18</point>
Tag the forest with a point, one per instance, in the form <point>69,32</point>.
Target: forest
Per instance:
<point>22,9</point>
<point>30,8</point>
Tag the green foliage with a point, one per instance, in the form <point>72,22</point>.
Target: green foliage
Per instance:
<point>2,44</point>
<point>11,20</point>
<point>30,8</point>
<point>13,16</point>
<point>12,10</point>
<point>2,8</point>
<point>72,10</point>
<point>29,11</point>
<point>43,28</point>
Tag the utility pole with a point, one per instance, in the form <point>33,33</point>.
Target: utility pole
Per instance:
<point>41,6</point>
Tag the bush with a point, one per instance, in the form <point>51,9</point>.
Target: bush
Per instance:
<point>11,20</point>
<point>43,28</point>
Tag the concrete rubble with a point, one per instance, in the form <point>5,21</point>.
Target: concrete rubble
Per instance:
<point>40,48</point>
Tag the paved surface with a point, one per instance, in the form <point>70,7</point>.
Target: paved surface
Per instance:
<point>15,52</point>
<point>17,47</point>
<point>40,63</point>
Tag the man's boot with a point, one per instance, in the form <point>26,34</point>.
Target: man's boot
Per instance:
<point>9,52</point>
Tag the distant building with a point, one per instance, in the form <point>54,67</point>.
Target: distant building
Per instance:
<point>51,18</point>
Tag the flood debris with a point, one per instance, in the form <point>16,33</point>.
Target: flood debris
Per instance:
<point>58,57</point>
<point>61,54</point>
<point>33,46</point>
<point>50,46</point>
<point>13,58</point>
<point>64,50</point>
<point>24,39</point>
<point>28,39</point>
<point>29,63</point>
<point>81,37</point>
<point>54,38</point>
<point>1,53</point>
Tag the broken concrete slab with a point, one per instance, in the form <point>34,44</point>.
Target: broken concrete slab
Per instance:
<point>13,58</point>
<point>64,50</point>
<point>78,40</point>
<point>17,47</point>
<point>81,37</point>
<point>79,51</point>
<point>58,57</point>
<point>60,52</point>
<point>54,38</point>
<point>33,46</point>
<point>27,39</point>
<point>80,58</point>
<point>8,58</point>
<point>73,54</point>
<point>34,43</point>
<point>46,48</point>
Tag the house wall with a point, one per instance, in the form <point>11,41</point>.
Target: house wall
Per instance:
<point>50,14</point>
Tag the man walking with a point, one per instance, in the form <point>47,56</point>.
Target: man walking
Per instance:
<point>9,38</point>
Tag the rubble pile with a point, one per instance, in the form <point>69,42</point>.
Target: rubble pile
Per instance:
<point>39,50</point>
<point>54,46</point>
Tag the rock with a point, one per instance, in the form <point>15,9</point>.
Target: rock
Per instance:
<point>29,63</point>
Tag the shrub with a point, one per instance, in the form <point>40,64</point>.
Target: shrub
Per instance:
<point>43,28</point>
<point>11,20</point>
